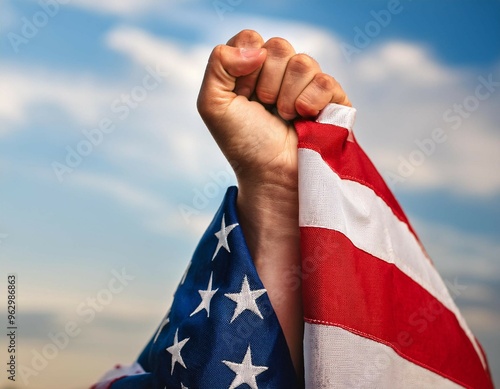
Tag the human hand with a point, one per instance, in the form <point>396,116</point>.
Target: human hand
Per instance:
<point>251,92</point>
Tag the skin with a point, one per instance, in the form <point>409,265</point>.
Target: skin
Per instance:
<point>251,92</point>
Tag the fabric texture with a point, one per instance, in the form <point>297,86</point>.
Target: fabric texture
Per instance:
<point>377,314</point>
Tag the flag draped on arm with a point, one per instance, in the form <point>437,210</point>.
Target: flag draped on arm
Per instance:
<point>376,312</point>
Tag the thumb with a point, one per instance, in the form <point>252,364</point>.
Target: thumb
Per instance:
<point>225,64</point>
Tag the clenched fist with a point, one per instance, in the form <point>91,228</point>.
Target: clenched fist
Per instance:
<point>251,92</point>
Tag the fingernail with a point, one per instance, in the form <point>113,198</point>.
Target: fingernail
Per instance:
<point>250,53</point>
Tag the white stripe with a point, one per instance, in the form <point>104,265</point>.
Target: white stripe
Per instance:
<point>336,358</point>
<point>338,115</point>
<point>357,212</point>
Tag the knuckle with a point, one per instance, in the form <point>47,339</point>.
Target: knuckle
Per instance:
<point>216,53</point>
<point>302,63</point>
<point>248,33</point>
<point>279,47</point>
<point>248,37</point>
<point>325,82</point>
<point>218,49</point>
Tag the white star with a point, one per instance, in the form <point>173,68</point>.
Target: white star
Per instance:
<point>222,235</point>
<point>245,299</point>
<point>206,297</point>
<point>183,387</point>
<point>164,322</point>
<point>175,350</point>
<point>245,371</point>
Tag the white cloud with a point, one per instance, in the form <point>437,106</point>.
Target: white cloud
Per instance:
<point>80,96</point>
<point>174,136</point>
<point>156,213</point>
<point>473,161</point>
<point>397,109</point>
<point>184,64</point>
<point>405,62</point>
<point>119,190</point>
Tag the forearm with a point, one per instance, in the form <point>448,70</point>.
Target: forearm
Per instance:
<point>269,219</point>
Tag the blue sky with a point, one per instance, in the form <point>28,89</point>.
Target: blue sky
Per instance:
<point>119,208</point>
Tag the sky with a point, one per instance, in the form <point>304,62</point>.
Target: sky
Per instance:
<point>106,186</point>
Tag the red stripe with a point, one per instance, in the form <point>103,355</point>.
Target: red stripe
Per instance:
<point>347,159</point>
<point>347,287</point>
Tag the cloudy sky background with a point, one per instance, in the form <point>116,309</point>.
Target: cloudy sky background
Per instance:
<point>119,209</point>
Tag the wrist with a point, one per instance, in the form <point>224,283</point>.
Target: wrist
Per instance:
<point>269,213</point>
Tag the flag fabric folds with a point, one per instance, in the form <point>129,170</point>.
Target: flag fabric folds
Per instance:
<point>376,312</point>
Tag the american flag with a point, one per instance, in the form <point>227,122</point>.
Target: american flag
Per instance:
<point>376,312</point>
